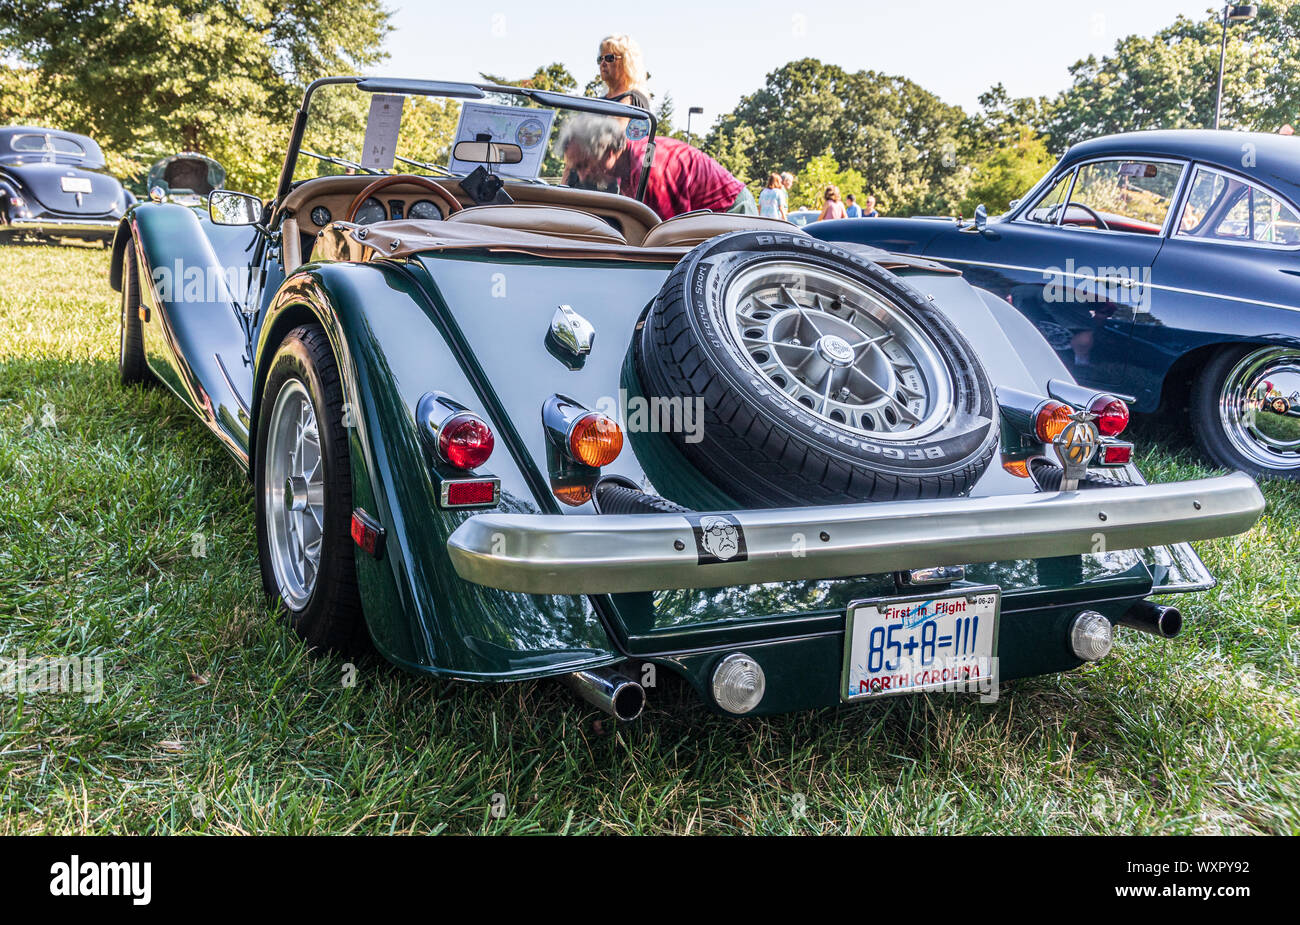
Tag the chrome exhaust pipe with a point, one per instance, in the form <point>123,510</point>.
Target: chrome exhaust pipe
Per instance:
<point>610,690</point>
<point>1156,619</point>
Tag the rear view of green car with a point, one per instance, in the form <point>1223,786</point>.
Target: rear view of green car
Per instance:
<point>501,427</point>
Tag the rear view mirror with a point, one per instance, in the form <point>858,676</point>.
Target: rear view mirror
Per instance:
<point>227,207</point>
<point>487,152</point>
<point>1145,171</point>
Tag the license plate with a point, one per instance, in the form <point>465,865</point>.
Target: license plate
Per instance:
<point>902,645</point>
<point>75,184</point>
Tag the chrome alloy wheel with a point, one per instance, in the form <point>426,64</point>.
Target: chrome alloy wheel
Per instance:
<point>294,494</point>
<point>1259,407</point>
<point>846,354</point>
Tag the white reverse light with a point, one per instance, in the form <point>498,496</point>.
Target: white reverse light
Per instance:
<point>1090,635</point>
<point>738,683</point>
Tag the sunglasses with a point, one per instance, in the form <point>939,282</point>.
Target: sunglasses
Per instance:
<point>607,59</point>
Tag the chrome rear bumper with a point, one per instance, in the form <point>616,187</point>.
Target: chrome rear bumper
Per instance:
<point>595,554</point>
<point>105,226</point>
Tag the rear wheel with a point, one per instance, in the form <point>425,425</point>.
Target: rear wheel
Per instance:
<point>131,366</point>
<point>1246,410</point>
<point>304,495</point>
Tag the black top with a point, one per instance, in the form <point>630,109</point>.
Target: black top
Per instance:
<point>632,97</point>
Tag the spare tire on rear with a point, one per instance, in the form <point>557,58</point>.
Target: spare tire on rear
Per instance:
<point>825,378</point>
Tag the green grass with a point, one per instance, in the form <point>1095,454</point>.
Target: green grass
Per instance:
<point>215,719</point>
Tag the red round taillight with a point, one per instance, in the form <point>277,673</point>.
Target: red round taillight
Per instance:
<point>1112,415</point>
<point>465,441</point>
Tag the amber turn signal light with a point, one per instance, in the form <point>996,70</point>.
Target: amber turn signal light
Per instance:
<point>595,440</point>
<point>1017,467</point>
<point>1051,419</point>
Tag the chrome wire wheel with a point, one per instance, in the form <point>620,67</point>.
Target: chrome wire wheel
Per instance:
<point>846,354</point>
<point>1259,407</point>
<point>294,495</point>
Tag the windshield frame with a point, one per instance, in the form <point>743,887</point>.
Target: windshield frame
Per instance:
<point>454,90</point>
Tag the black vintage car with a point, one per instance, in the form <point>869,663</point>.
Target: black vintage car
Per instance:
<point>186,178</point>
<point>52,184</point>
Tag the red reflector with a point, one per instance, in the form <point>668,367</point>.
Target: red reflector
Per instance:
<point>460,494</point>
<point>367,534</point>
<point>1116,454</point>
<point>1112,415</point>
<point>465,441</point>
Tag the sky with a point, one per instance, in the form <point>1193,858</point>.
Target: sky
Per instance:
<point>709,54</point>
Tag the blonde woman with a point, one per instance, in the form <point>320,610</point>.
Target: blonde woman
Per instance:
<point>772,201</point>
<point>622,70</point>
<point>834,208</point>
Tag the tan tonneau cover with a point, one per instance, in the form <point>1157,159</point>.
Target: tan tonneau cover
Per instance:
<point>405,238</point>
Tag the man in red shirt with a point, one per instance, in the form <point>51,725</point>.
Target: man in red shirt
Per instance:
<point>599,155</point>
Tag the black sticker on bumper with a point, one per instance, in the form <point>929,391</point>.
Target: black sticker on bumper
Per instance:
<point>718,538</point>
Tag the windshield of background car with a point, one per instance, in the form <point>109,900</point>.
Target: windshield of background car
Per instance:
<point>1048,209</point>
<point>1223,208</point>
<point>1127,195</point>
<point>424,129</point>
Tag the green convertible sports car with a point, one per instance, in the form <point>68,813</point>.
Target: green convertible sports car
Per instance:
<point>504,427</point>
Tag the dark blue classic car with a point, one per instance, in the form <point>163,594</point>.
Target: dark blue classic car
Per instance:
<point>1165,265</point>
<point>52,184</point>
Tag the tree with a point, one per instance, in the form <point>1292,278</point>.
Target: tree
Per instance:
<point>1002,118</point>
<point>1007,172</point>
<point>554,78</point>
<point>903,140</point>
<point>809,189</point>
<point>221,77</point>
<point>1169,80</point>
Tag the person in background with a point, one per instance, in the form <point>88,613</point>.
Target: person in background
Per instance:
<point>870,210</point>
<point>772,202</point>
<point>851,207</point>
<point>787,181</point>
<point>598,154</point>
<point>623,71</point>
<point>833,208</point>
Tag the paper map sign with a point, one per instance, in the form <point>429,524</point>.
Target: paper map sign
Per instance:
<point>382,126</point>
<point>515,125</point>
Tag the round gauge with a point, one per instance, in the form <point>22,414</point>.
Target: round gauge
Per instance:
<point>424,209</point>
<point>320,216</point>
<point>372,210</point>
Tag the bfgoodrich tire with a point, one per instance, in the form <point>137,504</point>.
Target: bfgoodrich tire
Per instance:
<point>824,377</point>
<point>304,496</point>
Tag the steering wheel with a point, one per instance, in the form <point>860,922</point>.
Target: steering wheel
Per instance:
<point>448,200</point>
<point>1100,222</point>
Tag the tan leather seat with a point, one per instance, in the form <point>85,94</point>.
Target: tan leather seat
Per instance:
<point>697,227</point>
<point>549,220</point>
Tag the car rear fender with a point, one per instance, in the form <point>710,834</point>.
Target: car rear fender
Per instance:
<point>391,352</point>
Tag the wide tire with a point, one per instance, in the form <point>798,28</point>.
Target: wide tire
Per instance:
<point>300,436</point>
<point>1235,416</point>
<point>131,366</point>
<point>885,433</point>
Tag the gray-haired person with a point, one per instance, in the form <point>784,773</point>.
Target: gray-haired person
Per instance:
<point>598,154</point>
